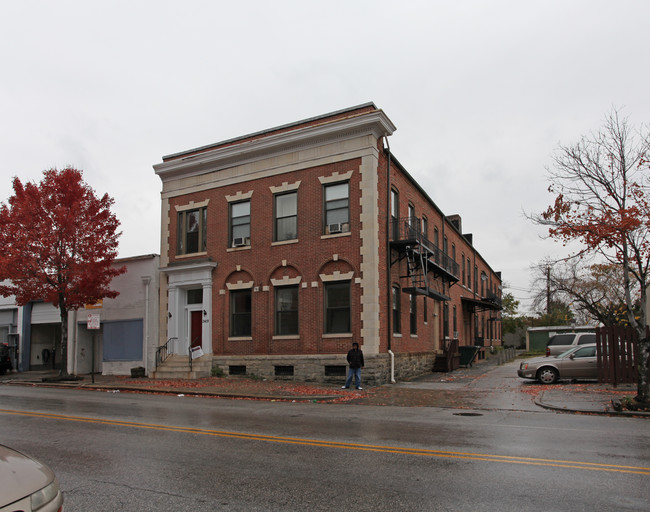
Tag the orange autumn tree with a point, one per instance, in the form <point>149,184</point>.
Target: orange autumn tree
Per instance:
<point>602,185</point>
<point>58,242</point>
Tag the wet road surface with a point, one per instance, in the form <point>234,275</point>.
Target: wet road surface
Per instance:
<point>118,451</point>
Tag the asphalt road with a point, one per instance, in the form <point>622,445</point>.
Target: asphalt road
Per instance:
<point>119,451</point>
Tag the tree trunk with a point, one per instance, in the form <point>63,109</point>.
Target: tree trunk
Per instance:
<point>64,340</point>
<point>642,365</point>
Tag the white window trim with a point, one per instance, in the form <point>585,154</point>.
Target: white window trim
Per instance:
<point>239,285</point>
<point>285,187</point>
<point>286,281</point>
<point>192,206</point>
<point>239,196</point>
<point>337,276</point>
<point>335,178</point>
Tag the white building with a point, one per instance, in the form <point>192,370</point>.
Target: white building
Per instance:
<point>126,337</point>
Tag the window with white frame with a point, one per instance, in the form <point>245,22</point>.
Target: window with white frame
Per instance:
<point>240,313</point>
<point>192,231</point>
<point>286,216</point>
<point>337,307</point>
<point>413,313</point>
<point>397,313</point>
<point>240,223</point>
<point>337,208</point>
<point>286,310</point>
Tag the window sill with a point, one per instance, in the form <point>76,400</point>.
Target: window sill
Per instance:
<point>335,235</point>
<point>397,335</point>
<point>240,338</point>
<point>338,335</point>
<point>285,242</point>
<point>191,255</point>
<point>286,337</point>
<point>415,336</point>
<point>234,249</point>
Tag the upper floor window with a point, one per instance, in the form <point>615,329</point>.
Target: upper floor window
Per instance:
<point>425,227</point>
<point>394,213</point>
<point>337,208</point>
<point>394,204</point>
<point>475,278</point>
<point>469,273</point>
<point>240,224</point>
<point>192,231</point>
<point>286,310</point>
<point>462,259</point>
<point>337,307</point>
<point>286,216</point>
<point>411,215</point>
<point>436,241</point>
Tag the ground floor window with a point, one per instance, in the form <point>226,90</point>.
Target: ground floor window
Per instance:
<point>397,328</point>
<point>240,313</point>
<point>286,310</point>
<point>337,307</point>
<point>413,311</point>
<point>445,320</point>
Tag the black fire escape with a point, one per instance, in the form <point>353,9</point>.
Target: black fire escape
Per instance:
<point>428,267</point>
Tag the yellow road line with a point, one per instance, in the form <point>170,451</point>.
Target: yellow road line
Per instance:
<point>592,466</point>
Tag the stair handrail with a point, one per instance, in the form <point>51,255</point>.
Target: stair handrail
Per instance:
<point>162,352</point>
<point>190,351</point>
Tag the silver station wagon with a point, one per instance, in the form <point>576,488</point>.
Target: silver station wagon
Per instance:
<point>579,362</point>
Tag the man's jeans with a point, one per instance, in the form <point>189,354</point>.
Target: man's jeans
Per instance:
<point>356,373</point>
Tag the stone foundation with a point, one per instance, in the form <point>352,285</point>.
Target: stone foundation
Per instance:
<point>330,369</point>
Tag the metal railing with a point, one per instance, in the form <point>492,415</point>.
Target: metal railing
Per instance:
<point>163,352</point>
<point>492,298</point>
<point>409,230</point>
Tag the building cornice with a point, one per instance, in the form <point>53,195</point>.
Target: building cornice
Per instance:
<point>199,265</point>
<point>374,123</point>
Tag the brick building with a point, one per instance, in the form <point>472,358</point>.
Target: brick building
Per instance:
<point>281,247</point>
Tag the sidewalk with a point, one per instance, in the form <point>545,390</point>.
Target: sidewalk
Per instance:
<point>485,385</point>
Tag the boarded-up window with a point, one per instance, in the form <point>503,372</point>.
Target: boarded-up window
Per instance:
<point>122,340</point>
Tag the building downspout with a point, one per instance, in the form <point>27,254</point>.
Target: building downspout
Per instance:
<point>145,350</point>
<point>388,272</point>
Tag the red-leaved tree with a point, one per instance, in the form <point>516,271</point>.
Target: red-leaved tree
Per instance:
<point>603,185</point>
<point>58,242</point>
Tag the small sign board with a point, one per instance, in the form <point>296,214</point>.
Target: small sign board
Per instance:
<point>93,321</point>
<point>96,305</point>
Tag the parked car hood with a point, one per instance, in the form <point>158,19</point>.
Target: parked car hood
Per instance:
<point>541,359</point>
<point>21,475</point>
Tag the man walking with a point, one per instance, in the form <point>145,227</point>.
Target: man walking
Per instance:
<point>355,360</point>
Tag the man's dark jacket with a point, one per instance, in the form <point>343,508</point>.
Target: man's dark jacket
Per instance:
<point>355,358</point>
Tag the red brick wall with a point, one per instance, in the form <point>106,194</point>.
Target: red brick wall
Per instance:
<point>309,257</point>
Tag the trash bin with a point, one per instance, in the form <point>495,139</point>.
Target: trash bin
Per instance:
<point>137,372</point>
<point>467,355</point>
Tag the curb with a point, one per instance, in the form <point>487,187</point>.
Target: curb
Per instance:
<point>609,412</point>
<point>135,389</point>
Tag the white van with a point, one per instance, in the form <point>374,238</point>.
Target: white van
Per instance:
<point>562,342</point>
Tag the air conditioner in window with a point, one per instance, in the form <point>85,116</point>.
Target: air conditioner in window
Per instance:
<point>240,241</point>
<point>334,228</point>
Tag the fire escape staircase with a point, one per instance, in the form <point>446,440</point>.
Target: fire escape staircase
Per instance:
<point>424,260</point>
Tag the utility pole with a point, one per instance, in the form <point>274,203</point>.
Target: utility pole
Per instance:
<point>548,290</point>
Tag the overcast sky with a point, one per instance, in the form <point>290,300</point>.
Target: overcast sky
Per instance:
<point>481,94</point>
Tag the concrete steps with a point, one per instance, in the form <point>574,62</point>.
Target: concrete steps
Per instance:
<point>178,367</point>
